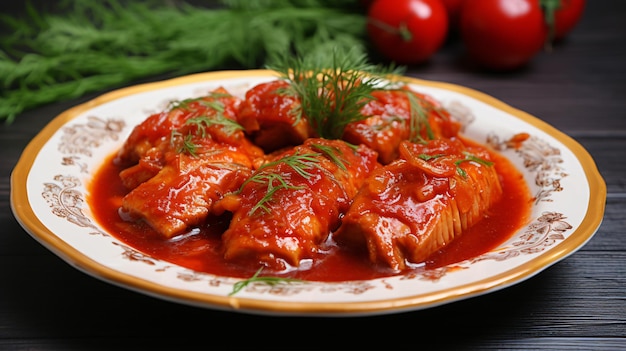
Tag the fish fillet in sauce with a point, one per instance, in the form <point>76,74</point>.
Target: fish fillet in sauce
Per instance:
<point>419,203</point>
<point>279,223</point>
<point>180,161</point>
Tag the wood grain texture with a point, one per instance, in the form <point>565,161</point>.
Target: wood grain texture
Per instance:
<point>576,304</point>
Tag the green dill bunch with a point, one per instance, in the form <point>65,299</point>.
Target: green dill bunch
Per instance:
<point>88,46</point>
<point>333,89</point>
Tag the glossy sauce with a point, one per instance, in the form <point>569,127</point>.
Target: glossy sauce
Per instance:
<point>201,250</point>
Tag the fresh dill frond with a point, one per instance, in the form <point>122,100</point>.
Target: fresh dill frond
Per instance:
<point>470,158</point>
<point>183,143</point>
<point>474,158</point>
<point>427,157</point>
<point>333,89</point>
<point>182,104</point>
<point>333,153</point>
<point>418,120</point>
<point>300,163</point>
<point>271,281</point>
<point>202,122</point>
<point>270,179</point>
<point>217,106</point>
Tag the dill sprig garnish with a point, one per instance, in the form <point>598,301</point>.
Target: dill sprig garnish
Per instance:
<point>202,122</point>
<point>470,158</point>
<point>300,163</point>
<point>213,104</point>
<point>418,120</point>
<point>333,89</point>
<point>333,153</point>
<point>427,157</point>
<point>274,183</point>
<point>95,45</point>
<point>183,143</point>
<point>271,281</point>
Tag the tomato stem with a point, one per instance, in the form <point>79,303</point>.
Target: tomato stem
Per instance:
<point>402,30</point>
<point>549,8</point>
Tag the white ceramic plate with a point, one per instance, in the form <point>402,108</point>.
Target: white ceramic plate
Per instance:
<point>48,197</point>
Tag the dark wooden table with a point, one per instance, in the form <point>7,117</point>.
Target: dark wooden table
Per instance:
<point>578,303</point>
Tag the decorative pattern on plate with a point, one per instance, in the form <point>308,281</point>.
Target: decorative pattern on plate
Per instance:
<point>539,158</point>
<point>66,201</point>
<point>82,138</point>
<point>546,231</point>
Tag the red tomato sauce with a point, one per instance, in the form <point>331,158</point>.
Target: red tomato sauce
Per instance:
<point>200,250</point>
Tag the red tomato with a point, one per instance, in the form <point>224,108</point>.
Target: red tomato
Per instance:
<point>566,17</point>
<point>407,31</point>
<point>502,34</point>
